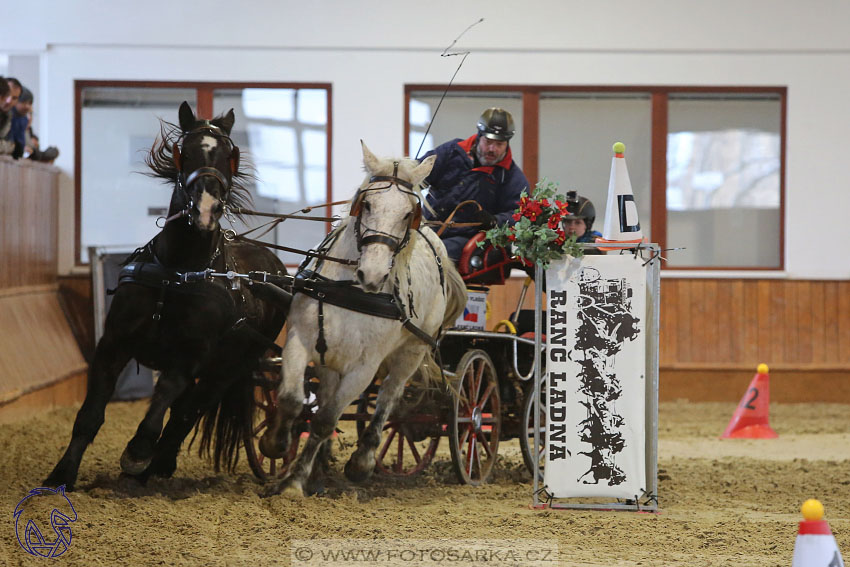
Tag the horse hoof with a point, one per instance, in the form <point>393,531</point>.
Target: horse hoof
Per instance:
<point>56,481</point>
<point>355,472</point>
<point>288,487</point>
<point>62,474</point>
<point>163,469</point>
<point>269,448</point>
<point>132,466</point>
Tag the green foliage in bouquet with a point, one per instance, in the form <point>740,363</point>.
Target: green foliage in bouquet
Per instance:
<point>538,236</point>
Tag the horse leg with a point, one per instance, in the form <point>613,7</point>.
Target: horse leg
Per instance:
<point>139,451</point>
<point>328,384</point>
<point>192,404</point>
<point>290,400</point>
<point>361,464</point>
<point>180,422</point>
<point>322,427</point>
<point>109,359</point>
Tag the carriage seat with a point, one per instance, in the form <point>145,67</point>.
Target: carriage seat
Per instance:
<point>486,265</point>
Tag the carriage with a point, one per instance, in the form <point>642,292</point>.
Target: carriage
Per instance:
<point>486,397</point>
<point>183,307</point>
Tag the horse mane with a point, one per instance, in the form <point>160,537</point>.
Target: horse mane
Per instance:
<point>160,160</point>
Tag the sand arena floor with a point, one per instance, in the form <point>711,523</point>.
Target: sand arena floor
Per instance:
<point>723,502</point>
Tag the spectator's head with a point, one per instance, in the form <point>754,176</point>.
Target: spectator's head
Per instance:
<point>495,129</point>
<point>24,105</point>
<point>15,91</point>
<point>582,213</point>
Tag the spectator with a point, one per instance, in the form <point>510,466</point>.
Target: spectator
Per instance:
<point>479,168</point>
<point>579,223</point>
<point>6,103</point>
<point>21,117</point>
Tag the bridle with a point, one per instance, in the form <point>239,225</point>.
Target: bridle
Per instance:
<point>372,236</point>
<point>184,182</point>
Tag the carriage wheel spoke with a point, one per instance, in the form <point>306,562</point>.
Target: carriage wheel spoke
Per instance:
<point>388,443</point>
<point>416,457</point>
<point>464,435</point>
<point>479,379</point>
<point>487,393</point>
<point>472,456</point>
<point>485,443</point>
<point>260,426</point>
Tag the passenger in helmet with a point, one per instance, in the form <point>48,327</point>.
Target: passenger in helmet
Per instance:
<point>579,222</point>
<point>479,168</point>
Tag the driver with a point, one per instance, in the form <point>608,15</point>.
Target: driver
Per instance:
<point>479,168</point>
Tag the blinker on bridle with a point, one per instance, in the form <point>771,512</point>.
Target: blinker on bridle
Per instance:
<point>388,240</point>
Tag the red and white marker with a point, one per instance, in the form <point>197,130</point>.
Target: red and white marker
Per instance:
<point>815,545</point>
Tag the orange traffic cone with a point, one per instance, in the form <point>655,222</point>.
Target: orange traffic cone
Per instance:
<point>750,420</point>
<point>815,545</point>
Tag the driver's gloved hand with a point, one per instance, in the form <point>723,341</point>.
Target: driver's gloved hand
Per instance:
<point>487,220</point>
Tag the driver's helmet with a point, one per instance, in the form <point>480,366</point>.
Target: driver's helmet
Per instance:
<point>496,124</point>
<point>582,208</point>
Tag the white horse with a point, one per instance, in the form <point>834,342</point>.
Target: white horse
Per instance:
<point>388,253</point>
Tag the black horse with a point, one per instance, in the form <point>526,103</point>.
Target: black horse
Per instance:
<point>205,337</point>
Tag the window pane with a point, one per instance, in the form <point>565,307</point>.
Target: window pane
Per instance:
<point>577,132</point>
<point>284,133</point>
<point>118,127</point>
<point>313,106</point>
<point>458,117</point>
<point>274,104</point>
<point>723,185</point>
<point>315,144</point>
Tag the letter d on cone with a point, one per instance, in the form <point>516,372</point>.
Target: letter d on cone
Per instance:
<point>750,420</point>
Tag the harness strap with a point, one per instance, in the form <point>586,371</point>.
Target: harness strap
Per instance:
<point>321,343</point>
<point>308,253</point>
<point>437,260</point>
<point>387,241</point>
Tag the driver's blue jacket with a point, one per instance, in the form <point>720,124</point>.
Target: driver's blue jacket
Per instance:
<point>455,178</point>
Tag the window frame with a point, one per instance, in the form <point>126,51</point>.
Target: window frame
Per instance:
<point>204,94</point>
<point>659,100</point>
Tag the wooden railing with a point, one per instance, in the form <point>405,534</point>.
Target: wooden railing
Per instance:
<point>38,347</point>
<point>28,231</point>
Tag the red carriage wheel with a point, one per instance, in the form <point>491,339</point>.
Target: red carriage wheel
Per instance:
<point>264,407</point>
<point>476,418</point>
<point>407,445</point>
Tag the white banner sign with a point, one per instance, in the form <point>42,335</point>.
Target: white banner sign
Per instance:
<point>595,389</point>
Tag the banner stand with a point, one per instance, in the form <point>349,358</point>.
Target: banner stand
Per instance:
<point>647,499</point>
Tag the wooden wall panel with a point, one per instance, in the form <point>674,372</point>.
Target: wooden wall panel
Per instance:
<point>75,297</point>
<point>38,347</point>
<point>28,232</point>
<point>733,323</point>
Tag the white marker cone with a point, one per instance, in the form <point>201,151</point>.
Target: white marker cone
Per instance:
<point>815,545</point>
<point>621,216</point>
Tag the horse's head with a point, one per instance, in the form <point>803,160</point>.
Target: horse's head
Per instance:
<point>207,161</point>
<point>386,208</point>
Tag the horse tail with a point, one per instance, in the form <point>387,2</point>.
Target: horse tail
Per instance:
<point>222,426</point>
<point>455,294</point>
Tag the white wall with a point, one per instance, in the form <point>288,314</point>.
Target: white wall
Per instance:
<point>369,49</point>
